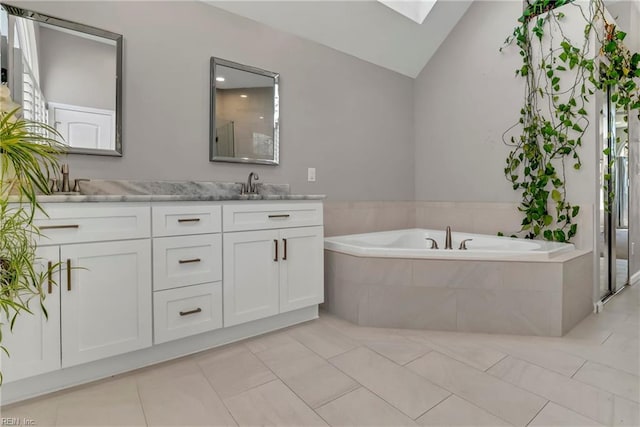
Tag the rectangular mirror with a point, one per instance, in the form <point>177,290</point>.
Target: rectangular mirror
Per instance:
<point>66,74</point>
<point>244,114</point>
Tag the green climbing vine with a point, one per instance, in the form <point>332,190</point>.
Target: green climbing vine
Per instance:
<point>561,77</point>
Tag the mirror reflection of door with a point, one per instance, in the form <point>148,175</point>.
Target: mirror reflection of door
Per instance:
<point>225,139</point>
<point>613,241</point>
<point>64,74</point>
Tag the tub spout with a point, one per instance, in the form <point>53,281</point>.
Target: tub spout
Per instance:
<point>447,239</point>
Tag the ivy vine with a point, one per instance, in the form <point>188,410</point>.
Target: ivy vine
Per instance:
<point>561,78</point>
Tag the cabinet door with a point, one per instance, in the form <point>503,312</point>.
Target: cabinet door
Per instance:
<point>107,303</point>
<point>301,268</point>
<point>34,342</point>
<point>250,284</point>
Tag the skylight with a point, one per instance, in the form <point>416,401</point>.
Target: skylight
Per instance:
<point>416,10</point>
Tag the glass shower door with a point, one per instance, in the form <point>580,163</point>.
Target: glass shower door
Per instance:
<point>612,242</point>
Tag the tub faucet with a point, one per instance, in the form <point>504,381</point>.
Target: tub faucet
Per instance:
<point>434,244</point>
<point>447,239</point>
<point>463,244</point>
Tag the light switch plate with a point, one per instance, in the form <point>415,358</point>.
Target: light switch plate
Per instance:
<point>311,174</point>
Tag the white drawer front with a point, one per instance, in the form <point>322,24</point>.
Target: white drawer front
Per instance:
<point>186,260</point>
<point>186,218</point>
<point>93,222</point>
<point>261,216</point>
<point>187,311</point>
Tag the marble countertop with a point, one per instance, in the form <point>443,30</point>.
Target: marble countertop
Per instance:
<point>64,198</point>
<point>158,191</point>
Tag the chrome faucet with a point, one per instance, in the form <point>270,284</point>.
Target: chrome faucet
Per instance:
<point>249,187</point>
<point>447,239</point>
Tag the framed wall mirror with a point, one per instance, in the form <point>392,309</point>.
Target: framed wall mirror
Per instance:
<point>66,74</point>
<point>244,119</point>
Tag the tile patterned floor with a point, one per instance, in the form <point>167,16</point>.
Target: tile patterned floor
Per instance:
<point>331,372</point>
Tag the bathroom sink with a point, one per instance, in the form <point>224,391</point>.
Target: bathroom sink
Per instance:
<point>249,197</point>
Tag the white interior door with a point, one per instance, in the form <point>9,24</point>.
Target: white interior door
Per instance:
<point>84,127</point>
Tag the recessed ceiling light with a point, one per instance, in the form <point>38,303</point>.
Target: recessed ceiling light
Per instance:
<point>261,117</point>
<point>243,96</point>
<point>219,79</point>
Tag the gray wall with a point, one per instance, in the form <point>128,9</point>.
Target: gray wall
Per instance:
<point>466,97</point>
<point>351,120</point>
<point>77,71</point>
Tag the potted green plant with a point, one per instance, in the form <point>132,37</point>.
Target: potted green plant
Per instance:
<point>28,157</point>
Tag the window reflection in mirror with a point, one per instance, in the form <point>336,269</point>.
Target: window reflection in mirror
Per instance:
<point>244,116</point>
<point>65,74</point>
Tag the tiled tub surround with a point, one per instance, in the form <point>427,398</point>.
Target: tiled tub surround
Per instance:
<point>493,296</point>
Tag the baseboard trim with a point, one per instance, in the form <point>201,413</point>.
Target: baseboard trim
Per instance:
<point>77,375</point>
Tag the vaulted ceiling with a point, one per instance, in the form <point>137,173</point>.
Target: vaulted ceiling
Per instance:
<point>366,29</point>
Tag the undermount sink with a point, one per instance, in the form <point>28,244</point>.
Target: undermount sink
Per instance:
<point>250,197</point>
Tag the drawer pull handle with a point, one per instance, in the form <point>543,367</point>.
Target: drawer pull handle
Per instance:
<point>187,261</point>
<point>49,277</point>
<point>189,220</point>
<point>68,274</point>
<point>275,258</point>
<point>186,313</point>
<point>284,258</point>
<point>57,227</point>
<point>280,216</point>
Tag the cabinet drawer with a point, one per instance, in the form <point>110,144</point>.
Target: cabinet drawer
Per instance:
<point>92,222</point>
<point>186,260</point>
<point>186,218</point>
<point>187,311</point>
<point>260,216</point>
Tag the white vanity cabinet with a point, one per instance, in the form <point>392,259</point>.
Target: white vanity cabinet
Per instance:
<point>184,275</point>
<point>187,269</point>
<point>273,259</point>
<point>105,281</point>
<point>34,342</point>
